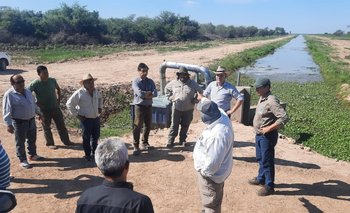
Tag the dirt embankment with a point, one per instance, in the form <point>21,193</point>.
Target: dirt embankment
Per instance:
<point>306,181</point>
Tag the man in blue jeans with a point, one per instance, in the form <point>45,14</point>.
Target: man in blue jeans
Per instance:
<point>86,105</point>
<point>269,117</point>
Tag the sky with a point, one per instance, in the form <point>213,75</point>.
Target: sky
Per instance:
<point>295,16</point>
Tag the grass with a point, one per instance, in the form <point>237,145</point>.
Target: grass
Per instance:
<point>318,117</point>
<point>117,124</point>
<point>51,53</point>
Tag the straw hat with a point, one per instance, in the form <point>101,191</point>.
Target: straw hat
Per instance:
<point>87,77</point>
<point>220,70</point>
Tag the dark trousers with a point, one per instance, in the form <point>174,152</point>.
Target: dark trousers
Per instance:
<point>265,155</point>
<point>57,116</point>
<point>143,114</point>
<point>25,132</point>
<point>183,118</point>
<point>91,134</point>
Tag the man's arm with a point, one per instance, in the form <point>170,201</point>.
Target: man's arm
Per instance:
<point>58,93</point>
<point>235,107</point>
<point>6,111</point>
<point>72,103</point>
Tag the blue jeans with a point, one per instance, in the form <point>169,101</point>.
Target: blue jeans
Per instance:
<point>265,155</point>
<point>91,134</point>
<point>25,131</point>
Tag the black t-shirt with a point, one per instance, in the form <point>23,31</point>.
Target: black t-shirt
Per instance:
<point>113,197</point>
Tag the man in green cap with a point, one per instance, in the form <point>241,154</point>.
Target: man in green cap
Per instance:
<point>269,117</point>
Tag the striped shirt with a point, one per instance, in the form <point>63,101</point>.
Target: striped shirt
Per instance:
<point>4,169</point>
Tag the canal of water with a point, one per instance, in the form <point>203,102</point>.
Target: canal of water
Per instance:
<point>289,63</point>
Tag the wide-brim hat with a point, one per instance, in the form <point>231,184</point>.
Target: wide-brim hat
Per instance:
<point>182,70</point>
<point>220,70</point>
<point>209,110</point>
<point>87,77</point>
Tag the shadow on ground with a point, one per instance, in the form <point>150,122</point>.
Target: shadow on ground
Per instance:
<point>335,189</point>
<point>62,189</point>
<point>12,72</point>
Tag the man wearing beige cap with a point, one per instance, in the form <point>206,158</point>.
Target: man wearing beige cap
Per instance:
<point>222,92</point>
<point>86,105</point>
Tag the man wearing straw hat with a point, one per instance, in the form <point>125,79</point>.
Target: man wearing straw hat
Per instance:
<point>222,92</point>
<point>86,105</point>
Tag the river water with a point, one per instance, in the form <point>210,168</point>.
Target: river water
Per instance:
<point>289,63</point>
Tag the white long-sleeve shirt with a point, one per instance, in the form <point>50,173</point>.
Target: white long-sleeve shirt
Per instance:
<point>82,103</point>
<point>212,153</point>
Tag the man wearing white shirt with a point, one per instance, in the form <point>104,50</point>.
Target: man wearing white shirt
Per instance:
<point>222,92</point>
<point>86,105</point>
<point>212,154</point>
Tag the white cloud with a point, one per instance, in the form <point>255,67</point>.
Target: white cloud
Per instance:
<point>190,3</point>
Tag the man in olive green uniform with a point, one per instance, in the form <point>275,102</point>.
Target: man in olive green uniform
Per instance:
<point>48,100</point>
<point>181,92</point>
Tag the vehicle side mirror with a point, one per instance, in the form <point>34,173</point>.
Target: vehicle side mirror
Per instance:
<point>7,201</point>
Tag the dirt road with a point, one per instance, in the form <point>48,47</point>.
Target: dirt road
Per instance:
<point>306,181</point>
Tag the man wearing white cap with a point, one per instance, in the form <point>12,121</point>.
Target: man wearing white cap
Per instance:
<point>212,154</point>
<point>222,92</point>
<point>86,105</point>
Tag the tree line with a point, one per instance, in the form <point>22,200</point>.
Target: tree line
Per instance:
<point>75,25</point>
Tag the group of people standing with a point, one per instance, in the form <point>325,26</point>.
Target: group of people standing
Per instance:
<point>212,153</point>
<point>213,150</point>
<point>20,108</point>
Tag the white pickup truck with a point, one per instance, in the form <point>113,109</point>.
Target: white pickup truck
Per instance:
<point>5,60</point>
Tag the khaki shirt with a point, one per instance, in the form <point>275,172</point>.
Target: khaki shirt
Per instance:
<point>269,111</point>
<point>182,94</point>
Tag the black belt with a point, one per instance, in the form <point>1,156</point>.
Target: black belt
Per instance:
<point>22,120</point>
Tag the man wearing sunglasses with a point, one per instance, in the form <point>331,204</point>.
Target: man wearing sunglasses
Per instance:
<point>222,92</point>
<point>19,111</point>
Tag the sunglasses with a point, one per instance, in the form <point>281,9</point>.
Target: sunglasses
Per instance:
<point>19,82</point>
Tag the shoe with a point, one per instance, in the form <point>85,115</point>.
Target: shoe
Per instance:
<point>87,158</point>
<point>146,146</point>
<point>136,151</point>
<point>69,143</point>
<point>266,191</point>
<point>24,164</point>
<point>36,157</point>
<point>52,147</point>
<point>255,182</point>
<point>170,145</point>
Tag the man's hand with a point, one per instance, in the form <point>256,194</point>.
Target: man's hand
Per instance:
<point>10,129</point>
<point>199,96</point>
<point>148,95</point>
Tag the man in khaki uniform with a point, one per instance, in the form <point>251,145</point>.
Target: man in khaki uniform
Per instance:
<point>181,92</point>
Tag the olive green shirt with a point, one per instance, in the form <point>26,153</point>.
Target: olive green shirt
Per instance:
<point>45,92</point>
<point>269,111</point>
